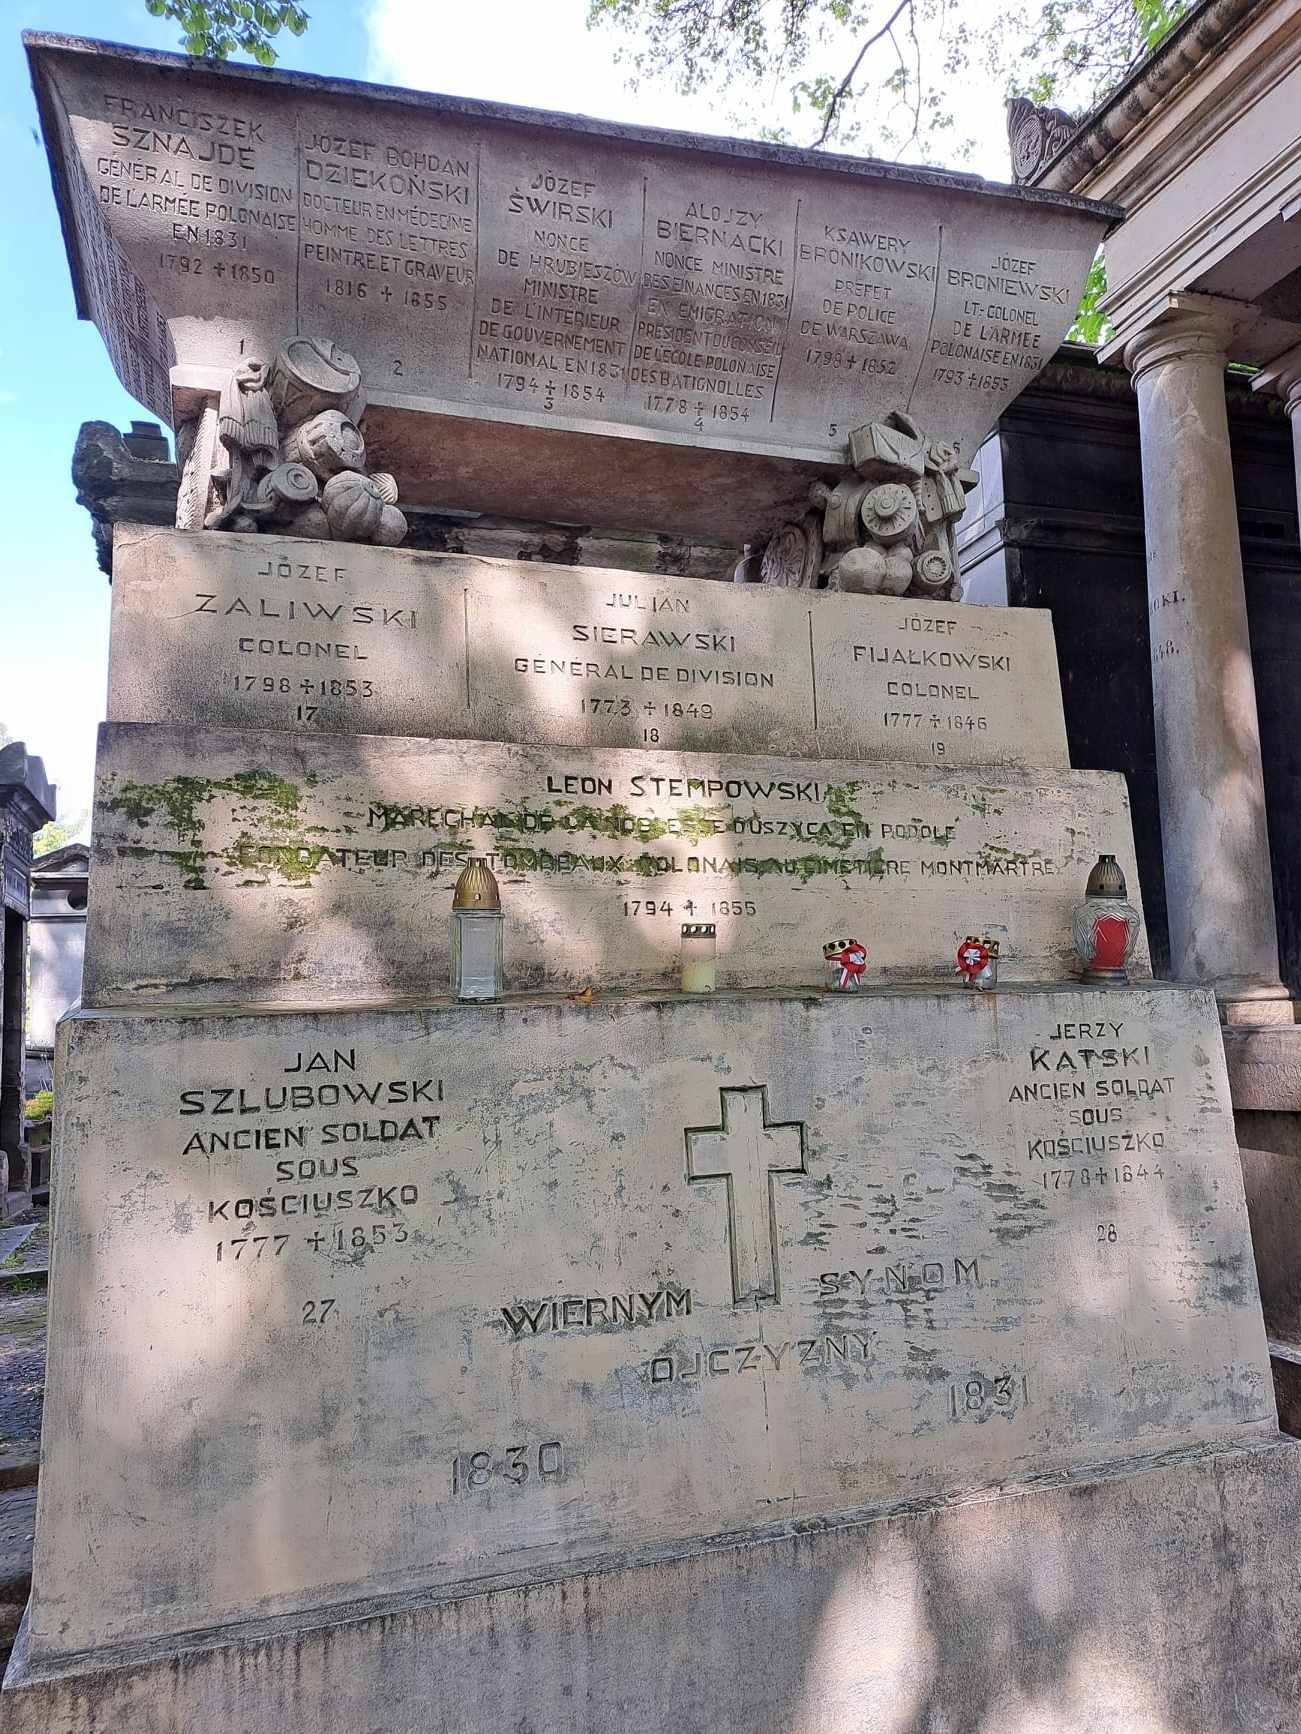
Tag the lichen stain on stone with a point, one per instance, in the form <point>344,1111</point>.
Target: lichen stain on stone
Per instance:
<point>178,800</point>
<point>1233,1288</point>
<point>295,863</point>
<point>840,802</point>
<point>924,1364</point>
<point>974,1167</point>
<point>1011,1226</point>
<point>994,858</point>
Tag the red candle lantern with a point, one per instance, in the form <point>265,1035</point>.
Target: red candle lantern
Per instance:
<point>1104,925</point>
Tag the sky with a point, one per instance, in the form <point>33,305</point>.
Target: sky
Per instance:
<point>55,374</point>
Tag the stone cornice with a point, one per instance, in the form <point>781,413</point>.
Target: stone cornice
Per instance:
<point>24,785</point>
<point>1075,371</point>
<point>1182,322</point>
<point>42,46</point>
<point>1206,28</point>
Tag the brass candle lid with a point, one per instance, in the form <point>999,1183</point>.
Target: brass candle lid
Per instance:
<point>476,888</point>
<point>1106,879</point>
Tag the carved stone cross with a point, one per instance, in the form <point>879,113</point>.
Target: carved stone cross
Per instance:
<point>747,1153</point>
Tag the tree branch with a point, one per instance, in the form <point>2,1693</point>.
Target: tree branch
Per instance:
<point>842,90</point>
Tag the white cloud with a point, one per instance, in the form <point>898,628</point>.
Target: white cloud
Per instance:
<point>537,53</point>
<point>540,54</point>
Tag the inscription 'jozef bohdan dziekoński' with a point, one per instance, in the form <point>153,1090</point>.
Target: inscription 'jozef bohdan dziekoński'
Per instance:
<point>549,273</point>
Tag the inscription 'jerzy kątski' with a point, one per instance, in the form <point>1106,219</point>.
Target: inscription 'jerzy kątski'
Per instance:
<point>664,1279</point>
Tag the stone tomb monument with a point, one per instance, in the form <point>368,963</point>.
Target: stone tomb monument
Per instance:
<point>27,801</point>
<point>773,1359</point>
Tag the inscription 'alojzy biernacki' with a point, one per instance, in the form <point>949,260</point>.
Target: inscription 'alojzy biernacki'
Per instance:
<point>726,315</point>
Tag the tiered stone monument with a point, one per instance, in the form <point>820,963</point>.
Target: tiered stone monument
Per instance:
<point>609,1357</point>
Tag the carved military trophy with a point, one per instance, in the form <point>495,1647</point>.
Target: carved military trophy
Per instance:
<point>886,527</point>
<point>283,451</point>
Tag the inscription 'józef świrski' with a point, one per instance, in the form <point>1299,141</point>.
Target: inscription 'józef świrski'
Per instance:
<point>489,264</point>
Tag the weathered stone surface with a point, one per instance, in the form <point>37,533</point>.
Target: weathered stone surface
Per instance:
<point>120,476</point>
<point>548,309</point>
<point>303,870</point>
<point>273,632</point>
<point>1264,1067</point>
<point>1269,1146</point>
<point>1164,1599</point>
<point>358,1304</point>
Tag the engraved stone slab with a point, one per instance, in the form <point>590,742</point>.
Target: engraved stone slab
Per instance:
<point>276,633</point>
<point>352,1305</point>
<point>610,323</point>
<point>300,870</point>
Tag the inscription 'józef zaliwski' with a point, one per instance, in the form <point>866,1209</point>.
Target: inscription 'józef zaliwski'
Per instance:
<point>251,632</point>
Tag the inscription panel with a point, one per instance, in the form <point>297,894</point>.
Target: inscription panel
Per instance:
<point>296,869</point>
<point>438,1298</point>
<point>271,632</point>
<point>498,263</point>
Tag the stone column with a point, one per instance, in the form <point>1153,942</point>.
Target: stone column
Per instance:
<point>1282,378</point>
<point>1219,887</point>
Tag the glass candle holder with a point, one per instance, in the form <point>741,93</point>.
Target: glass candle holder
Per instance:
<point>699,957</point>
<point>1105,925</point>
<point>477,923</point>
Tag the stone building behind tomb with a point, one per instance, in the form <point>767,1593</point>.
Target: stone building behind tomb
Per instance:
<point>27,801</point>
<point>57,937</point>
<point>1202,145</point>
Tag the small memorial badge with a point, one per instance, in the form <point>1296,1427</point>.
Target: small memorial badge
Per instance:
<point>847,962</point>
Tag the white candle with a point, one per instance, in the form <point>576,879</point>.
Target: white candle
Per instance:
<point>699,957</point>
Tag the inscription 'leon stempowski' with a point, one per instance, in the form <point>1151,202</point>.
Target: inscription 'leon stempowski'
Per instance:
<point>607,855</point>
